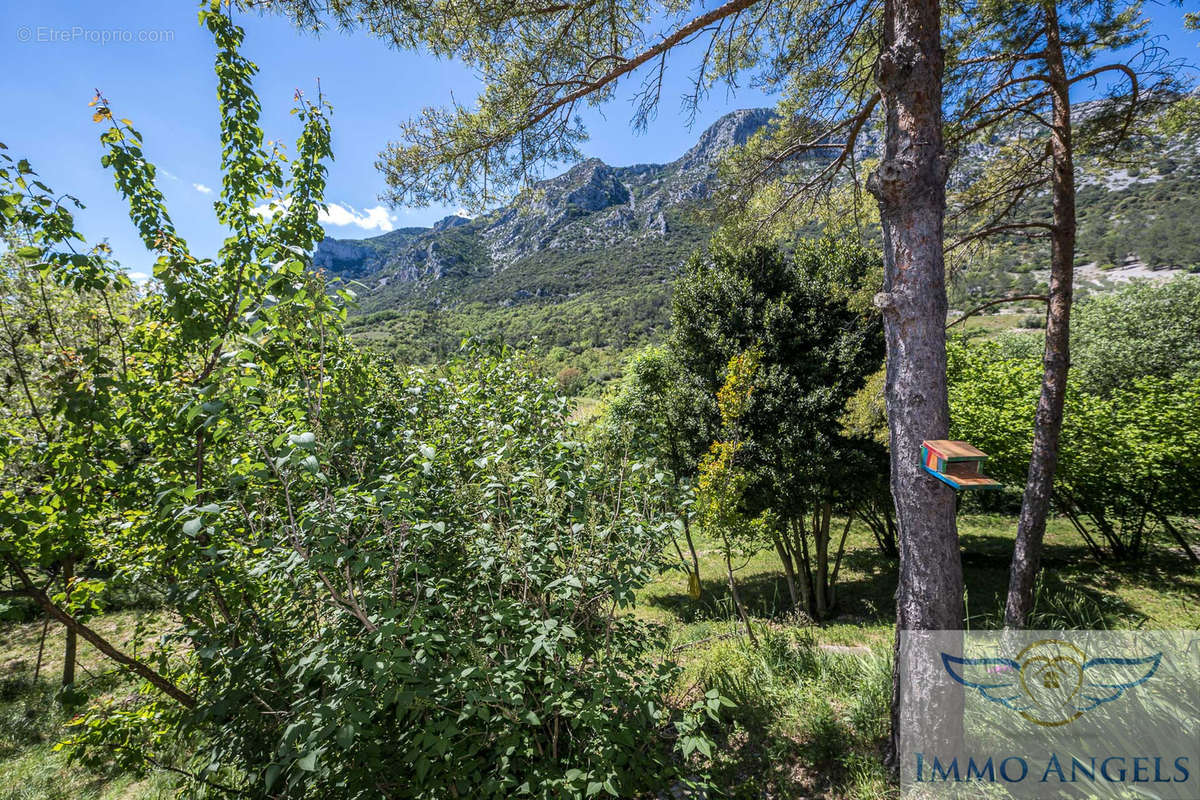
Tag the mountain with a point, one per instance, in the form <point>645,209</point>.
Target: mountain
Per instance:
<point>585,262</point>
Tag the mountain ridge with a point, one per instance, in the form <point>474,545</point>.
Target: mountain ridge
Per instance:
<point>592,204</point>
<point>585,261</point>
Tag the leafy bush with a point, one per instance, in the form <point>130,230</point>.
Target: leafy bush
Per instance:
<point>454,608</point>
<point>568,379</point>
<point>404,584</point>
<point>646,417</point>
<point>1142,329</point>
<point>1127,457</point>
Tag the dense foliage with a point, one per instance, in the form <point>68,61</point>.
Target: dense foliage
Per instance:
<point>1131,433</point>
<point>650,416</point>
<point>1140,330</point>
<point>400,584</point>
<point>802,312</point>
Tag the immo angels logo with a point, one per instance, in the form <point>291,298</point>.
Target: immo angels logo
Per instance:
<point>1051,682</point>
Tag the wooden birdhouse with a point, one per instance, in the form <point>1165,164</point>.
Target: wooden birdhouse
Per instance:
<point>956,464</point>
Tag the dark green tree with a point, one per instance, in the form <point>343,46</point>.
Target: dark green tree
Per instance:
<point>796,311</point>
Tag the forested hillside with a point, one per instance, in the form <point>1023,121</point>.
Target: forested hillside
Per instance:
<point>586,264</point>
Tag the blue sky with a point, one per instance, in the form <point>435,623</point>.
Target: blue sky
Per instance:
<point>156,69</point>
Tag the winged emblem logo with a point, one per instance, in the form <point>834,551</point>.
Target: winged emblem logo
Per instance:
<point>1051,682</point>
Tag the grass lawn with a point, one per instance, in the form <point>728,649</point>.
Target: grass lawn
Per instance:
<point>991,324</point>
<point>811,717</point>
<point>32,720</point>
<point>1163,592</point>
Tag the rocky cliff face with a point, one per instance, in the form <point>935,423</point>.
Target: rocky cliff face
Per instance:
<point>591,206</point>
<point>342,255</point>
<point>359,258</point>
<point>574,233</point>
<point>732,130</point>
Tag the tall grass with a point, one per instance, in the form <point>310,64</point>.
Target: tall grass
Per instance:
<point>804,720</point>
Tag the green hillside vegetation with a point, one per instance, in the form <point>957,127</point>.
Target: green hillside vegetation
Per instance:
<point>1152,218</point>
<point>593,305</point>
<point>585,310</point>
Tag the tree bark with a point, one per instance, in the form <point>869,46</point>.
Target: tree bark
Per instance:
<point>37,669</point>
<point>910,185</point>
<point>803,565</point>
<point>785,558</point>
<point>821,535</point>
<point>687,535</point>
<point>69,650</point>
<point>837,562</point>
<point>98,641</point>
<point>736,598</point>
<point>1039,484</point>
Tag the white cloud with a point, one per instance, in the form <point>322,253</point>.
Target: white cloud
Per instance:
<point>368,219</point>
<point>166,173</point>
<point>201,188</point>
<point>139,277</point>
<point>265,211</point>
<point>377,218</point>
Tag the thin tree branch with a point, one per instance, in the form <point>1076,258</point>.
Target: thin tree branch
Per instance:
<point>98,641</point>
<point>994,229</point>
<point>1041,298</point>
<point>629,65</point>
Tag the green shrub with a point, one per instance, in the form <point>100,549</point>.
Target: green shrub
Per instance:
<point>410,583</point>
<point>1128,451</point>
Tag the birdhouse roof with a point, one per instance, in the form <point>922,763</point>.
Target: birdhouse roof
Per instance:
<point>950,450</point>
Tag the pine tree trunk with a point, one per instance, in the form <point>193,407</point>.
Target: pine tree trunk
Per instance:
<point>910,184</point>
<point>1031,526</point>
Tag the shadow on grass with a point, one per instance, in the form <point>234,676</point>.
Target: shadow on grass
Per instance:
<point>1076,590</point>
<point>859,597</point>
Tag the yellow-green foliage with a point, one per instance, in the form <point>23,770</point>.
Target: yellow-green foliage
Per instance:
<point>734,396</point>
<point>722,481</point>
